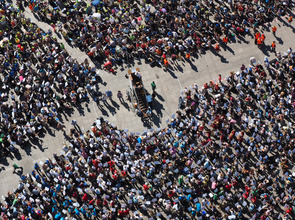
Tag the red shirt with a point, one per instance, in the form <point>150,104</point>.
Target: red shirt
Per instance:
<point>126,212</point>
<point>95,163</point>
<point>228,187</point>
<point>85,198</point>
<point>145,187</point>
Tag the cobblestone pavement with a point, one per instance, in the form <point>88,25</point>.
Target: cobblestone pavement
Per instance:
<point>201,69</point>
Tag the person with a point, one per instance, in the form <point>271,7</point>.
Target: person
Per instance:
<point>166,63</point>
<point>263,39</point>
<point>225,40</point>
<point>273,46</point>
<point>259,42</point>
<point>149,112</point>
<point>217,48</point>
<point>274,30</point>
<point>120,96</point>
<point>104,98</point>
<point>153,84</point>
<point>290,19</point>
<point>257,36</point>
<point>109,94</point>
<point>16,167</point>
<point>188,56</point>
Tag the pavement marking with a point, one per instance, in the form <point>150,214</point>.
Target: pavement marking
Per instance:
<point>94,108</point>
<point>179,84</point>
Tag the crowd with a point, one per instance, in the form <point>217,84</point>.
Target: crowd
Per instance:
<point>228,153</point>
<point>159,31</point>
<point>39,80</point>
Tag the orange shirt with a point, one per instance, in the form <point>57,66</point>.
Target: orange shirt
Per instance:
<point>262,37</point>
<point>165,62</point>
<point>158,51</point>
<point>259,40</point>
<point>273,45</point>
<point>225,40</point>
<point>274,29</point>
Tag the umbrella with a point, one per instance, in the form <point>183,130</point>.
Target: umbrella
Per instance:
<point>232,121</point>
<point>163,10</point>
<point>97,15</point>
<point>107,63</point>
<point>118,49</point>
<point>96,2</point>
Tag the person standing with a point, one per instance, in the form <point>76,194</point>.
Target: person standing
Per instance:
<point>274,30</point>
<point>290,19</point>
<point>273,46</point>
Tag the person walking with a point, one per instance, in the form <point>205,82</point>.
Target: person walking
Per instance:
<point>120,96</point>
<point>15,167</point>
<point>104,99</point>
<point>153,84</point>
<point>109,94</point>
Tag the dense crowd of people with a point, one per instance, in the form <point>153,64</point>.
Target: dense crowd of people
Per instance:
<point>228,153</point>
<point>39,80</point>
<point>159,31</point>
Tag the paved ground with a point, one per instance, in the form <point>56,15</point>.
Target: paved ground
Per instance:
<point>169,84</point>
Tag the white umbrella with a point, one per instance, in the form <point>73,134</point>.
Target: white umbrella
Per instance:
<point>97,15</point>
<point>118,49</point>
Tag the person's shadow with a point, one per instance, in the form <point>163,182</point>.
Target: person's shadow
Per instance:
<point>58,35</point>
<point>171,72</point>
<point>146,122</point>
<point>226,47</point>
<point>125,104</point>
<point>155,118</point>
<point>19,171</point>
<point>265,49</point>
<point>17,154</point>
<point>179,68</point>
<point>160,97</point>
<point>115,104</point>
<point>193,66</point>
<point>280,41</point>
